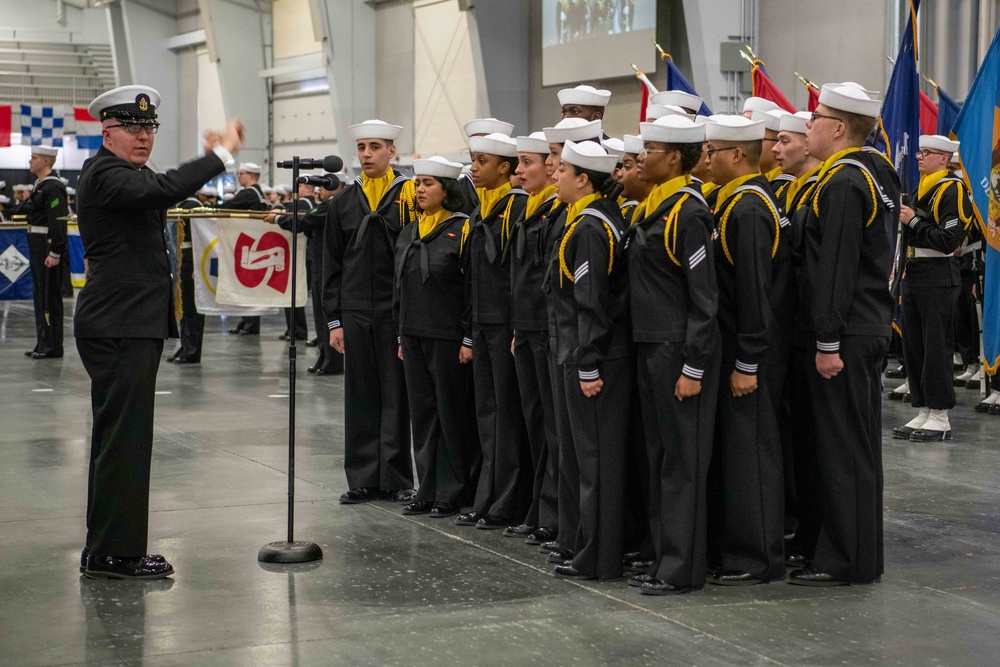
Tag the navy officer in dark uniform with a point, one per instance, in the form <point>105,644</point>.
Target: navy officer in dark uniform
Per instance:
<point>123,314</point>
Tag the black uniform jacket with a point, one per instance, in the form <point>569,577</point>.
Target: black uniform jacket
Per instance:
<point>359,250</point>
<point>673,296</point>
<point>847,258</point>
<point>122,217</point>
<point>589,283</point>
<point>942,217</point>
<point>469,194</point>
<point>249,199</point>
<point>527,252</point>
<point>779,185</point>
<point>48,204</point>
<point>752,272</point>
<point>430,287</point>
<point>486,274</point>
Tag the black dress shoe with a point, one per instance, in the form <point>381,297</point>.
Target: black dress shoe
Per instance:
<point>810,577</point>
<point>902,432</point>
<point>111,567</point>
<point>85,554</point>
<point>284,336</point>
<point>468,519</point>
<point>46,355</point>
<point>896,373</point>
<point>312,343</point>
<point>522,531</point>
<point>639,579</point>
<point>541,535</point>
<point>637,564</point>
<point>324,371</point>
<point>359,495</point>
<point>560,555</point>
<point>235,330</point>
<point>995,409</point>
<point>312,369</point>
<point>491,522</point>
<point>734,578</point>
<point>180,361</point>
<point>418,507</point>
<point>546,547</point>
<point>982,407</point>
<point>441,510</point>
<point>795,560</point>
<point>29,353</point>
<point>570,572</point>
<point>658,587</point>
<point>403,496</point>
<point>246,332</point>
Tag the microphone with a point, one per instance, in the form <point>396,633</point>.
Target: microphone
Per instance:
<point>326,181</point>
<point>329,163</point>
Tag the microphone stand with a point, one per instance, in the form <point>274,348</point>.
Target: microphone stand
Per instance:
<point>291,551</point>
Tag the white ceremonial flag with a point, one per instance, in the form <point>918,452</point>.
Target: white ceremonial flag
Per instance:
<point>255,265</point>
<point>205,251</point>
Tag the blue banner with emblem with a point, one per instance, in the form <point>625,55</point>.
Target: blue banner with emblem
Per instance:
<point>77,265</point>
<point>899,124</point>
<point>15,272</point>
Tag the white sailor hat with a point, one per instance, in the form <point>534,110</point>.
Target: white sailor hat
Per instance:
<point>4,199</point>
<point>633,144</point>
<point>437,167</point>
<point>19,187</point>
<point>722,127</point>
<point>129,103</point>
<point>374,129</point>
<point>795,122</point>
<point>588,155</point>
<point>573,129</point>
<point>48,151</point>
<point>71,192</point>
<point>229,187</point>
<point>64,180</point>
<point>673,130</point>
<point>759,104</point>
<point>28,187</point>
<point>344,178</point>
<point>533,143</point>
<point>614,146</point>
<point>677,98</point>
<point>265,188</point>
<point>587,96</point>
<point>208,192</point>
<point>938,142</point>
<point>228,196</point>
<point>854,84</point>
<point>487,126</point>
<point>281,189</point>
<point>249,167</point>
<point>3,184</point>
<point>654,111</point>
<point>772,119</point>
<point>494,144</point>
<point>850,98</point>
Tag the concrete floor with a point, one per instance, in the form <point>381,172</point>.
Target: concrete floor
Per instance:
<point>397,590</point>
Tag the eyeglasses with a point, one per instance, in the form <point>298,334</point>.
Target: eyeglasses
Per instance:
<point>645,152</point>
<point>924,152</point>
<point>136,128</point>
<point>817,116</point>
<point>713,151</point>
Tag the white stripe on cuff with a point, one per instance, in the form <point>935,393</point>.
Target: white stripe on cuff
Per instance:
<point>696,257</point>
<point>951,223</point>
<point>334,325</point>
<point>695,373</point>
<point>53,255</point>
<point>828,347</point>
<point>746,369</point>
<point>590,376</point>
<point>581,271</point>
<point>466,342</point>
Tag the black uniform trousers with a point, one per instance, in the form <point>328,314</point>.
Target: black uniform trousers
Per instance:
<point>599,436</point>
<point>847,411</point>
<point>192,325</point>
<point>751,483</point>
<point>296,323</point>
<point>802,452</point>
<point>967,320</point>
<point>535,384</point>
<point>567,470</point>
<point>376,422</point>
<point>436,395</point>
<point>328,359</point>
<point>929,345</point>
<point>250,324</point>
<point>123,381</point>
<point>502,433</point>
<point>679,437</point>
<point>47,295</point>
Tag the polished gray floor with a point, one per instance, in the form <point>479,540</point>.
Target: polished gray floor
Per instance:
<point>393,590</point>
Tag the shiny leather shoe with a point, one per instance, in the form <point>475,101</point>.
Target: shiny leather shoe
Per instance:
<point>284,336</point>
<point>359,496</point>
<point>418,507</point>
<point>491,522</point>
<point>468,519</point>
<point>312,369</point>
<point>403,496</point>
<point>541,535</point>
<point>896,373</point>
<point>312,343</point>
<point>547,547</point>
<point>658,587</point>
<point>810,577</point>
<point>180,361</point>
<point>324,371</point>
<point>522,531</point>
<point>637,564</point>
<point>560,555</point>
<point>796,560</point>
<point>570,572</point>
<point>441,510</point>
<point>235,330</point>
<point>244,332</point>
<point>111,567</point>
<point>638,580</point>
<point>85,554</point>
<point>995,409</point>
<point>734,578</point>
<point>29,353</point>
<point>45,355</point>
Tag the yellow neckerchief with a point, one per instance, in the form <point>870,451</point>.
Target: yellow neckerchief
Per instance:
<point>429,221</point>
<point>662,193</point>
<point>489,198</point>
<point>639,208</point>
<point>375,188</point>
<point>832,160</point>
<point>928,182</point>
<point>537,199</point>
<point>727,190</point>
<point>708,188</point>
<point>773,174</point>
<point>621,200</point>
<point>576,209</point>
<point>797,184</point>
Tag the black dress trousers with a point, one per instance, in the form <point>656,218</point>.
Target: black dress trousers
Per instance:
<point>47,296</point>
<point>567,470</point>
<point>929,345</point>
<point>192,325</point>
<point>531,361</point>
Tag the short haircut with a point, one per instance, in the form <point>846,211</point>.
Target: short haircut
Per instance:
<point>859,128</point>
<point>751,149</point>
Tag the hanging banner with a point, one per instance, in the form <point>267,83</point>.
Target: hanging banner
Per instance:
<point>205,248</point>
<point>255,265</point>
<point>15,273</point>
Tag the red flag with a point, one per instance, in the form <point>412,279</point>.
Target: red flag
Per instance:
<point>5,125</point>
<point>648,89</point>
<point>765,88</point>
<point>813,97</point>
<point>928,114</point>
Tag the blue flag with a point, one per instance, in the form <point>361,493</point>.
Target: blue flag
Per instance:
<point>978,128</point>
<point>676,81</point>
<point>947,113</point>
<point>15,274</point>
<point>899,124</point>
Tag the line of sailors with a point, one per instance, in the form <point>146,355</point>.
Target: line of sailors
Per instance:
<point>676,340</point>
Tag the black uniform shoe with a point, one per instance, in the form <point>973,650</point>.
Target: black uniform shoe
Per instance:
<point>441,510</point>
<point>284,336</point>
<point>522,531</point>
<point>235,330</point>
<point>418,507</point>
<point>983,407</point>
<point>795,560</point>
<point>173,356</point>
<point>312,369</point>
<point>995,409</point>
<point>541,535</point>
<point>638,580</point>
<point>29,353</point>
<point>734,578</point>
<point>896,373</point>
<point>468,519</point>
<point>570,572</point>
<point>560,555</point>
<point>359,495</point>
<point>246,332</point>
<point>324,371</point>
<point>927,435</point>
<point>491,522</point>
<point>403,496</point>
<point>637,564</point>
<point>546,547</point>
<point>902,432</point>
<point>180,361</point>
<point>810,577</point>
<point>111,567</point>
<point>156,558</point>
<point>658,587</point>
<point>312,343</point>
<point>46,355</point>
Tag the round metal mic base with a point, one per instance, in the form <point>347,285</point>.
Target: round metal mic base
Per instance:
<point>289,552</point>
